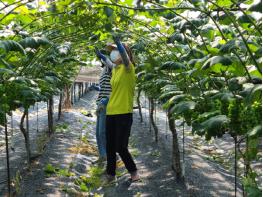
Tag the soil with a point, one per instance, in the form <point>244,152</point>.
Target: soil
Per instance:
<point>202,176</point>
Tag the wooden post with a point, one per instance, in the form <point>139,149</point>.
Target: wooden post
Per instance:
<point>71,94</point>
<point>150,123</point>
<point>79,90</point>
<point>74,91</point>
<point>82,87</point>
<point>50,115</point>
<point>145,108</point>
<point>60,104</point>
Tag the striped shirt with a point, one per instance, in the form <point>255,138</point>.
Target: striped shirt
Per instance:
<point>104,83</point>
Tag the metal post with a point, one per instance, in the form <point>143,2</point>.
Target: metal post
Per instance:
<point>166,124</point>
<point>150,122</point>
<point>235,138</point>
<point>37,117</point>
<point>183,151</point>
<point>145,110</point>
<point>155,109</point>
<point>7,158</point>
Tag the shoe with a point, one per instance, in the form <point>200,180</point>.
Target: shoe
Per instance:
<point>135,177</point>
<point>107,180</point>
<point>100,161</point>
<point>118,158</point>
<point>119,164</point>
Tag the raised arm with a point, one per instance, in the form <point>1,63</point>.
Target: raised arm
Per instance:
<point>104,59</point>
<point>125,58</point>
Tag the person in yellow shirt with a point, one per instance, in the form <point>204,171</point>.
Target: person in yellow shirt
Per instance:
<point>119,110</point>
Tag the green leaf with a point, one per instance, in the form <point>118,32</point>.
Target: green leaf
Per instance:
<point>191,24</point>
<point>196,53</point>
<point>83,187</point>
<point>197,2</point>
<point>34,42</point>
<point>218,62</point>
<point>224,3</point>
<point>210,93</point>
<point>236,83</point>
<point>231,45</point>
<point>49,169</point>
<point>176,37</point>
<point>255,94</point>
<point>245,19</point>
<point>108,11</point>
<point>224,96</point>
<point>168,94</point>
<point>6,71</point>
<point>149,76</point>
<point>5,64</point>
<point>207,115</point>
<point>213,50</point>
<point>169,87</point>
<point>208,31</point>
<point>253,71</point>
<point>255,132</point>
<point>108,27</point>
<point>172,66</point>
<point>197,62</point>
<point>214,126</point>
<point>183,107</point>
<point>226,19</point>
<point>25,19</point>
<point>174,99</point>
<point>253,47</point>
<point>254,192</point>
<point>10,45</point>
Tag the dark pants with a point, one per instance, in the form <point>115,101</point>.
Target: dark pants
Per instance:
<point>118,128</point>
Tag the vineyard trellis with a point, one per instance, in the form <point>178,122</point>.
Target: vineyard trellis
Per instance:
<point>8,135</point>
<point>200,60</point>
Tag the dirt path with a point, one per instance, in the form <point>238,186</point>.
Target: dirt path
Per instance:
<point>61,170</point>
<point>202,178</point>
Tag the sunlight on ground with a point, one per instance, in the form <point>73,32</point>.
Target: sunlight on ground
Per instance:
<point>84,149</point>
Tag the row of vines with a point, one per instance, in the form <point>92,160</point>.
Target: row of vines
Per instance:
<point>200,59</point>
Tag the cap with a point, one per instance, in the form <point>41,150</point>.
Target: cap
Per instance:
<point>110,46</point>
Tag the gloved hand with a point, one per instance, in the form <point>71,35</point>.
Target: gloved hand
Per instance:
<point>104,101</point>
<point>100,107</point>
<point>100,55</point>
<point>97,88</point>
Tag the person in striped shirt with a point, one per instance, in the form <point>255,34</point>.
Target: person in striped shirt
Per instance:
<point>102,100</point>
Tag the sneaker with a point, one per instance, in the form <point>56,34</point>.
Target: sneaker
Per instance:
<point>118,158</point>
<point>119,164</point>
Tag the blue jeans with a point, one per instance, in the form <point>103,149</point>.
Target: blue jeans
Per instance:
<point>101,132</point>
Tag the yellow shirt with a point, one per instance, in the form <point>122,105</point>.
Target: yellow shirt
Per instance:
<point>122,85</point>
